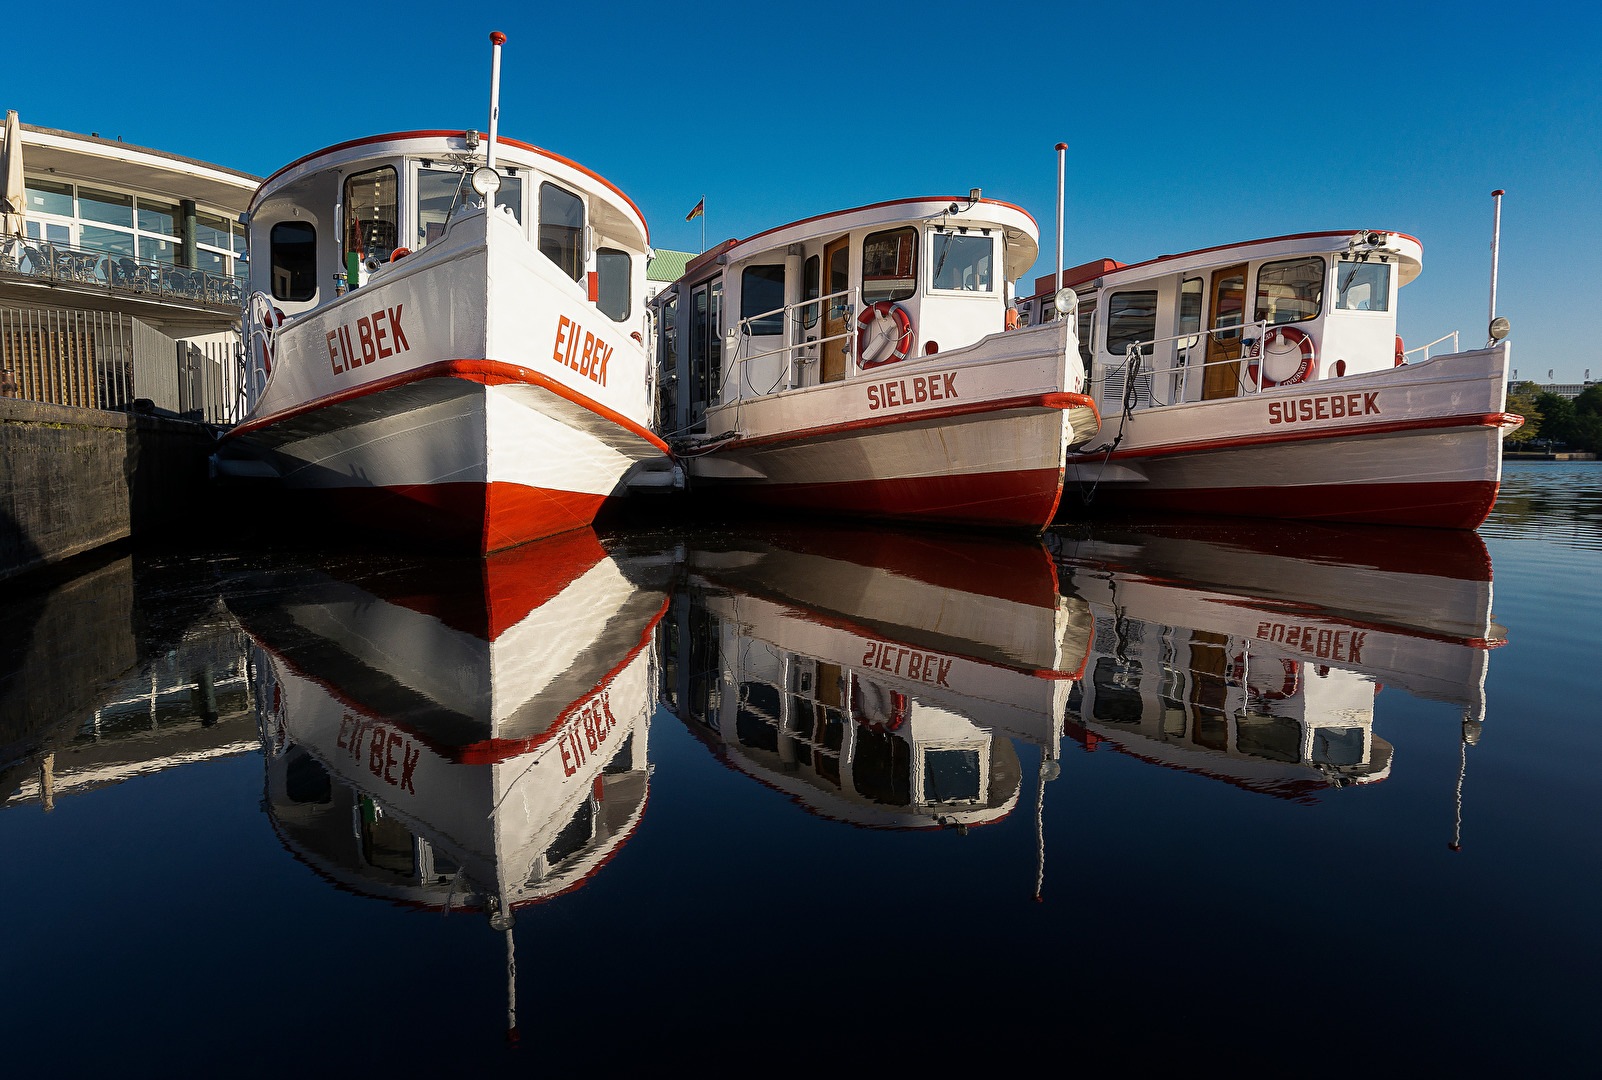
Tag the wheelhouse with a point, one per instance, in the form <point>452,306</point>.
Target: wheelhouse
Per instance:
<point>1234,320</point>
<point>331,220</point>
<point>783,311</point>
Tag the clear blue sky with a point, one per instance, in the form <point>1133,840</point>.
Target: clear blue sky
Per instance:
<point>1189,125</point>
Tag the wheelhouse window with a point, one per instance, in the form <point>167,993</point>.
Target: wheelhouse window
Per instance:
<point>889,265</point>
<point>1190,312</point>
<point>436,192</point>
<point>762,291</point>
<point>811,279</point>
<point>1131,317</point>
<point>562,229</point>
<point>613,271</point>
<point>371,229</point>
<point>1086,328</point>
<point>294,260</point>
<point>1290,291</point>
<point>1362,286</point>
<point>962,261</point>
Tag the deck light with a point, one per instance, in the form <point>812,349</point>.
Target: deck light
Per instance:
<point>486,181</point>
<point>1500,328</point>
<point>471,138</point>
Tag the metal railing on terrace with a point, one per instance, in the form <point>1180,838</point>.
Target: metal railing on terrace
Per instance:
<point>118,274</point>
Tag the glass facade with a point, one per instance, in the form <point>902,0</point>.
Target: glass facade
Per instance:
<point>99,219</point>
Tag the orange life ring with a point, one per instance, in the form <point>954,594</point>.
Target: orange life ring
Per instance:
<point>1295,337</point>
<point>399,253</point>
<point>1401,353</point>
<point>868,325</point>
<point>1292,683</point>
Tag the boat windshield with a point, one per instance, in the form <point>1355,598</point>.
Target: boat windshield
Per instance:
<point>962,262</point>
<point>1363,286</point>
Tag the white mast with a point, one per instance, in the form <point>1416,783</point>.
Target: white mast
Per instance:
<point>1496,242</point>
<point>497,39</point>
<point>1062,160</point>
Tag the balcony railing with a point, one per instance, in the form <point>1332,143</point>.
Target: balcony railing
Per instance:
<point>118,274</point>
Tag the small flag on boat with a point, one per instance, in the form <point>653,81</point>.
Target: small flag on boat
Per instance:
<point>700,208</point>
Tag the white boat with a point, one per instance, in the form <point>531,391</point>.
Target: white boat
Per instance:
<point>876,678</point>
<point>447,338</point>
<point>1266,379</point>
<point>855,363</point>
<point>1252,653</point>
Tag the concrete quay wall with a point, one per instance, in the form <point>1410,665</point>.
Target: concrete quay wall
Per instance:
<point>74,479</point>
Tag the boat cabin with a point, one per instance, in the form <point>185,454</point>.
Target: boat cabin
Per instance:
<point>782,311</point>
<point>332,220</point>
<point>1229,321</point>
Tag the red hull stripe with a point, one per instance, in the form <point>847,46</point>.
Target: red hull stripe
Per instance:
<point>487,372</point>
<point>478,517</point>
<point>1034,401</point>
<point>1351,431</point>
<point>499,139</point>
<point>1023,498</point>
<point>1461,504</point>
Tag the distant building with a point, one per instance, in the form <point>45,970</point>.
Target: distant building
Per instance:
<point>664,269</point>
<point>127,278</point>
<point>1562,390</point>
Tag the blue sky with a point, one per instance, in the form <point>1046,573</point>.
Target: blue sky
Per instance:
<point>1188,125</point>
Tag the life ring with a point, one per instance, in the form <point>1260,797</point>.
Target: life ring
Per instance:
<point>1293,678</point>
<point>873,335</point>
<point>878,713</point>
<point>399,253</point>
<point>1260,356</point>
<point>1401,353</point>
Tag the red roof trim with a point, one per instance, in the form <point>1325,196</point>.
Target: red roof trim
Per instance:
<point>1226,247</point>
<point>892,202</point>
<point>487,372</point>
<point>500,140</point>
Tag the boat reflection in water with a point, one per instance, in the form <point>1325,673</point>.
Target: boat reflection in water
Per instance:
<point>1253,652</point>
<point>458,734</point>
<point>874,676</point>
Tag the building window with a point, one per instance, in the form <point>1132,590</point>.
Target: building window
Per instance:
<point>762,291</point>
<point>1290,291</point>
<point>294,260</point>
<point>962,262</point>
<point>105,206</point>
<point>49,197</point>
<point>158,217</point>
<point>1131,317</point>
<point>370,214</point>
<point>562,229</point>
<point>613,269</point>
<point>889,265</point>
<point>1362,286</point>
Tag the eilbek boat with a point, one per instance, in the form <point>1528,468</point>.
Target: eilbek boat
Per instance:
<point>1266,379</point>
<point>864,369</point>
<point>448,337</point>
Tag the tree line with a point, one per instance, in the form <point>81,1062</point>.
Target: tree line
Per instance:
<point>1548,418</point>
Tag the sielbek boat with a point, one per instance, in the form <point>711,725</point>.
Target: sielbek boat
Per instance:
<point>447,337</point>
<point>1266,379</point>
<point>855,363</point>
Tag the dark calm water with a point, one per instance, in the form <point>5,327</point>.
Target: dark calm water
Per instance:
<point>1172,793</point>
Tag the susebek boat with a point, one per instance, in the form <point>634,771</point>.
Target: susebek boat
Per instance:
<point>876,678</point>
<point>855,363</point>
<point>448,337</point>
<point>1252,652</point>
<point>1267,379</point>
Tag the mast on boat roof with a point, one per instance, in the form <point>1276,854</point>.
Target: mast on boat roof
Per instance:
<point>1496,242</point>
<point>497,39</point>
<point>1062,158</point>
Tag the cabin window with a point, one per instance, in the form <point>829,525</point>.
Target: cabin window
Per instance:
<point>889,265</point>
<point>762,291</point>
<point>370,214</point>
<point>562,229</point>
<point>667,352</point>
<point>951,776</point>
<point>811,279</point>
<point>1290,291</point>
<point>1087,329</point>
<point>1190,312</point>
<point>1131,317</point>
<point>963,261</point>
<point>613,269</point>
<point>1363,286</point>
<point>438,190</point>
<point>294,260</point>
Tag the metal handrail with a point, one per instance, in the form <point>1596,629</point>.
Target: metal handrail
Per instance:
<point>1134,357</point>
<point>1425,349</point>
<point>117,272</point>
<point>853,369</point>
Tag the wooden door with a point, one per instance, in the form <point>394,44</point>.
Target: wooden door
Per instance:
<point>836,278</point>
<point>1222,377</point>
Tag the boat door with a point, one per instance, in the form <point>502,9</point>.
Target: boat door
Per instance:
<point>837,279</point>
<point>1222,377</point>
<point>706,349</point>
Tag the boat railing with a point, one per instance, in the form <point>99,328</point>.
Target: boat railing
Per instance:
<point>1425,349</point>
<point>808,351</point>
<point>1135,382</point>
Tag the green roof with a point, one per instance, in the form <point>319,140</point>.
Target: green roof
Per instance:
<point>668,265</point>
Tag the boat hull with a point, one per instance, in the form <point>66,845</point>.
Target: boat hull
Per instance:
<point>1420,447</point>
<point>479,433</point>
